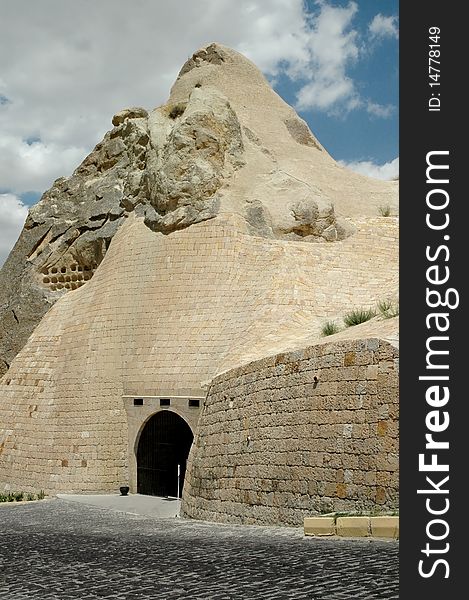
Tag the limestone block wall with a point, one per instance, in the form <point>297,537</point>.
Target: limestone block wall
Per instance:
<point>161,315</point>
<point>314,430</point>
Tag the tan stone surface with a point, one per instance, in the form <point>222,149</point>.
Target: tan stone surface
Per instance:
<point>386,527</point>
<point>353,526</point>
<point>165,314</point>
<point>319,526</point>
<point>276,159</point>
<point>298,433</point>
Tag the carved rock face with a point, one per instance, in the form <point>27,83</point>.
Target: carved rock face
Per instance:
<point>174,178</point>
<point>202,149</point>
<point>81,213</point>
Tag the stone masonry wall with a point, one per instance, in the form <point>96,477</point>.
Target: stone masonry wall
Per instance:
<point>161,314</point>
<point>295,434</point>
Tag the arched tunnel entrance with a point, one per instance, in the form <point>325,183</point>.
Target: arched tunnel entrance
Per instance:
<point>163,445</point>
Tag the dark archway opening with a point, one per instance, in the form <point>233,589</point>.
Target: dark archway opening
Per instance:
<point>164,444</point>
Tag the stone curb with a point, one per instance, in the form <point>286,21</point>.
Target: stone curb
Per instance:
<point>379,527</point>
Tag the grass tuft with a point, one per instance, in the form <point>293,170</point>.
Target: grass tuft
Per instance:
<point>177,110</point>
<point>19,496</point>
<point>384,210</point>
<point>358,315</point>
<point>388,309</point>
<point>329,328</point>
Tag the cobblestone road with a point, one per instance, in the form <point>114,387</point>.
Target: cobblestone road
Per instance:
<point>58,550</point>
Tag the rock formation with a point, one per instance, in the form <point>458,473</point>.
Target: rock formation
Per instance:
<point>195,238</point>
<point>206,152</point>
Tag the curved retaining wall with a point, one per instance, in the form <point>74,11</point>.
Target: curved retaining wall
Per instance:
<point>310,431</point>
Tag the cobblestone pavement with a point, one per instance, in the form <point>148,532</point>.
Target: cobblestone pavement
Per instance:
<point>58,550</point>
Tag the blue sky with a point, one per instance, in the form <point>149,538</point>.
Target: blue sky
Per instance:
<point>357,135</point>
<point>75,64</point>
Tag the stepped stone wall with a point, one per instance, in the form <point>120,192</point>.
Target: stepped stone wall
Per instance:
<point>282,438</point>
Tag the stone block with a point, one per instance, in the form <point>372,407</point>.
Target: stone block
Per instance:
<point>385,527</point>
<point>353,526</point>
<point>319,526</point>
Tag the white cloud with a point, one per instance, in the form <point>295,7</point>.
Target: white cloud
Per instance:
<point>12,216</point>
<point>389,170</point>
<point>333,47</point>
<point>33,166</point>
<point>382,27</point>
<point>380,110</point>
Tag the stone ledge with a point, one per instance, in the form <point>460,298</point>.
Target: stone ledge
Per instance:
<point>353,526</point>
<point>387,527</point>
<point>379,527</point>
<point>319,526</point>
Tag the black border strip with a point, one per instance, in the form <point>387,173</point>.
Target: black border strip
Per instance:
<point>423,131</point>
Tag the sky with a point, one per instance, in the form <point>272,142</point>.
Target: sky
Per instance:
<point>66,66</point>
